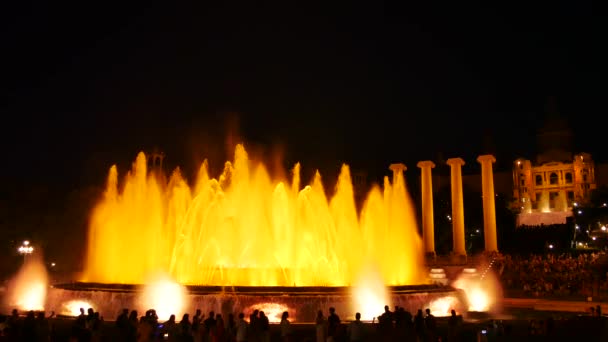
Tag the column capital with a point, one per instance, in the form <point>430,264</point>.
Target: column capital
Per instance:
<point>455,161</point>
<point>425,163</point>
<point>486,158</point>
<point>396,167</point>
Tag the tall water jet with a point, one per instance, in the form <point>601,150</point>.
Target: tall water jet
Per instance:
<point>244,241</point>
<point>245,229</point>
<point>164,296</point>
<point>28,288</point>
<point>544,204</point>
<point>370,295</point>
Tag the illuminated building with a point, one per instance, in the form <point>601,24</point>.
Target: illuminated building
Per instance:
<point>546,190</point>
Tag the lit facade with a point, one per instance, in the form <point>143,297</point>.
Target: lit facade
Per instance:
<point>552,186</point>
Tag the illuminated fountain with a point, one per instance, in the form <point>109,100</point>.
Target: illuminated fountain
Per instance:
<point>27,290</point>
<point>244,241</point>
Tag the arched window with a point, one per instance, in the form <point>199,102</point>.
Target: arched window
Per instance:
<point>553,178</point>
<point>539,180</point>
<point>568,177</point>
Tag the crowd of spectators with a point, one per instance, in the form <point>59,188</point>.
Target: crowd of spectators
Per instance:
<point>557,275</point>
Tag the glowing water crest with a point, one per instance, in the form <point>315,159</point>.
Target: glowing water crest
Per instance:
<point>245,229</point>
<point>27,289</point>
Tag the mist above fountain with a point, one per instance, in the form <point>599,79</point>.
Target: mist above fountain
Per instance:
<point>27,289</point>
<point>246,229</point>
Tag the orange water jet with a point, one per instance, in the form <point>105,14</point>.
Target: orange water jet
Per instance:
<point>27,289</point>
<point>246,229</point>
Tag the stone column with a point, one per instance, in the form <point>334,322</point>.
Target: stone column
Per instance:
<point>397,168</point>
<point>428,229</point>
<point>457,206</point>
<point>489,207</point>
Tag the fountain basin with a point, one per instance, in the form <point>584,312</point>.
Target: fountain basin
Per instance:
<point>302,303</point>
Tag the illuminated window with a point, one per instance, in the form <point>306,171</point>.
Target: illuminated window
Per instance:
<point>553,178</point>
<point>568,177</point>
<point>539,180</point>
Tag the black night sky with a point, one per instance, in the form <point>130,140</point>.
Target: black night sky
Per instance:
<point>86,86</point>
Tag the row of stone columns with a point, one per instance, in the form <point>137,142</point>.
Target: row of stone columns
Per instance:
<point>458,235</point>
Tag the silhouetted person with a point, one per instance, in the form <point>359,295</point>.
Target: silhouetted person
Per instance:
<point>333,325</point>
<point>356,329</point>
<point>220,329</point>
<point>28,330</point>
<point>320,327</point>
<point>419,326</point>
<point>254,326</point>
<point>210,324</point>
<point>122,324</point>
<point>230,327</point>
<point>453,325</point>
<point>285,326</point>
<point>241,328</point>
<point>185,329</point>
<point>197,320</point>
<point>264,327</point>
<point>431,326</point>
<point>385,324</point>
<point>170,330</point>
<point>145,328</point>
<point>13,323</point>
<point>79,327</point>
<point>43,328</point>
<point>133,324</point>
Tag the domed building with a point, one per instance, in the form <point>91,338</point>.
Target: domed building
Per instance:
<point>546,190</point>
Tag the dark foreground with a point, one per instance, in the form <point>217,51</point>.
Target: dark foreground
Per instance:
<point>549,327</point>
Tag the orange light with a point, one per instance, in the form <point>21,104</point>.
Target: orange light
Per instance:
<point>244,228</point>
<point>165,296</point>
<point>27,289</point>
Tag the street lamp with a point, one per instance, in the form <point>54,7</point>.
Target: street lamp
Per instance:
<point>25,249</point>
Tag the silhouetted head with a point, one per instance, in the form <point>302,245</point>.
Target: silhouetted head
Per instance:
<point>358,316</point>
<point>285,315</point>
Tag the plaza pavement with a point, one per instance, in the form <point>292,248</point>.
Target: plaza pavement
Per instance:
<point>539,304</point>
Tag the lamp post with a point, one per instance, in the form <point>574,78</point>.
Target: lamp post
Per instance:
<point>25,249</point>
